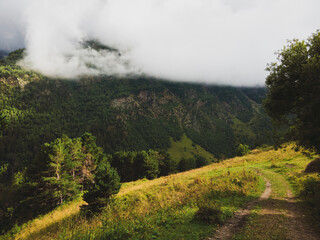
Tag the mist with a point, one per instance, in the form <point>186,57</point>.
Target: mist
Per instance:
<point>225,42</point>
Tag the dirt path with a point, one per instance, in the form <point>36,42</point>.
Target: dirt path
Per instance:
<point>280,217</point>
<point>297,222</point>
<point>235,224</point>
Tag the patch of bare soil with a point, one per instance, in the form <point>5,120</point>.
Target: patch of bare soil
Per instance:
<point>235,224</point>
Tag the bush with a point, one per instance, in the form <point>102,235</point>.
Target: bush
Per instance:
<point>310,192</point>
<point>311,188</point>
<point>242,150</point>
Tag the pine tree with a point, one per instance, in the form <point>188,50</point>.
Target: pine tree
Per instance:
<point>99,192</point>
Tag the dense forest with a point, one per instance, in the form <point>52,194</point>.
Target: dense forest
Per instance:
<point>125,114</point>
<point>133,121</point>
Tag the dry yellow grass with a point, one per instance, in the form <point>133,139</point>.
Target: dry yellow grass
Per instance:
<point>135,188</point>
<point>49,219</point>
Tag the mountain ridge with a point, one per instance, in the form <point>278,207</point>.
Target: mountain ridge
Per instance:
<point>136,113</point>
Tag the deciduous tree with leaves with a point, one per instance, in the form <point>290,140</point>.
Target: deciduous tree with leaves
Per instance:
<point>293,86</point>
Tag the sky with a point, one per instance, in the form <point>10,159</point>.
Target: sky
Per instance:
<point>228,42</point>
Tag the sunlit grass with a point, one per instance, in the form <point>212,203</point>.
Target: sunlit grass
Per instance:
<point>167,205</point>
<point>50,219</point>
<point>185,148</point>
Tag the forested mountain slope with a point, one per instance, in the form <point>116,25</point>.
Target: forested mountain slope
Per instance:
<point>124,113</point>
<point>188,126</point>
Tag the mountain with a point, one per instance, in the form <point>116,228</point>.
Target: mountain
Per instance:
<point>125,113</point>
<point>180,125</point>
<point>3,53</point>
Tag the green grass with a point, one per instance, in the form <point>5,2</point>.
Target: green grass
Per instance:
<point>186,205</point>
<point>285,171</point>
<point>185,148</point>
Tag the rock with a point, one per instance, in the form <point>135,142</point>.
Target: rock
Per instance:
<point>313,166</point>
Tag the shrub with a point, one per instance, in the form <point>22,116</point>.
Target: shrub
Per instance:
<point>311,193</point>
<point>311,188</point>
<point>242,150</point>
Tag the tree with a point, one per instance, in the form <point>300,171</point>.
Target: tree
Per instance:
<point>3,122</point>
<point>293,86</point>
<point>124,163</point>
<point>242,150</point>
<point>167,165</point>
<point>146,164</point>
<point>201,161</point>
<point>57,177</point>
<point>186,164</point>
<point>75,161</point>
<point>61,171</point>
<point>99,192</point>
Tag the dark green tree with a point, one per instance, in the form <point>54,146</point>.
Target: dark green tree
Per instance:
<point>124,163</point>
<point>293,86</point>
<point>186,164</point>
<point>3,122</point>
<point>99,192</point>
<point>242,150</point>
<point>146,164</point>
<point>201,161</point>
<point>60,182</point>
<point>167,165</point>
<point>75,161</point>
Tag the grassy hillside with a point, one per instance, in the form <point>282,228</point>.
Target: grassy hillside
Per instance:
<point>185,148</point>
<point>124,114</point>
<point>187,205</point>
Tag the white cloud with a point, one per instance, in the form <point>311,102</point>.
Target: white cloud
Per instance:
<point>215,41</point>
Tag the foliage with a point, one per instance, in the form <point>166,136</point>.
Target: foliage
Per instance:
<point>242,149</point>
<point>3,122</point>
<point>167,165</point>
<point>98,193</point>
<point>309,190</point>
<point>12,58</point>
<point>201,161</point>
<point>293,90</point>
<point>124,162</point>
<point>59,173</point>
<point>166,209</point>
<point>146,165</point>
<point>186,164</point>
<point>133,165</point>
<point>128,115</point>
<point>123,114</point>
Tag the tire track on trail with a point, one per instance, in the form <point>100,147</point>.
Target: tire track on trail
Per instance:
<point>298,227</point>
<point>234,224</point>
